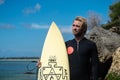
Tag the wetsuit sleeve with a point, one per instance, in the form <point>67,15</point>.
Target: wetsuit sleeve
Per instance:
<point>94,61</point>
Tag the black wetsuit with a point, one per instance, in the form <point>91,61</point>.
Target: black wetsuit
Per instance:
<point>83,59</point>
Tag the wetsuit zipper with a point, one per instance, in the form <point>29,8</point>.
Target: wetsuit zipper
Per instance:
<point>77,46</point>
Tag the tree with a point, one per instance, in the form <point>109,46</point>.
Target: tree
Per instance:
<point>115,11</point>
<point>114,16</point>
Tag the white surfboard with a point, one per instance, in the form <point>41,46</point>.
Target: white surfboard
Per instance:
<point>54,58</point>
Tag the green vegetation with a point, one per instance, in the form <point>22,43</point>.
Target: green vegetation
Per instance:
<point>115,18</point>
<point>113,76</point>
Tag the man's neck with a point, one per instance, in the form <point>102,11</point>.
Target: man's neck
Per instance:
<point>78,39</point>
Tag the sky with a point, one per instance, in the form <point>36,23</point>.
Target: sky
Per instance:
<point>24,23</point>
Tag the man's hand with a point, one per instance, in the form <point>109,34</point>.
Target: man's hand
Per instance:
<point>38,64</point>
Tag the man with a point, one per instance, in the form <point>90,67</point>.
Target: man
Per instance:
<point>82,53</point>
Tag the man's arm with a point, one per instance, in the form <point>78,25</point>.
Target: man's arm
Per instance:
<point>95,62</point>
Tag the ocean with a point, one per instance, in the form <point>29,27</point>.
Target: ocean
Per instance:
<point>18,70</point>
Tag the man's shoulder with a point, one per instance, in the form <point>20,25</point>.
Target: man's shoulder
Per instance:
<point>68,41</point>
<point>89,41</point>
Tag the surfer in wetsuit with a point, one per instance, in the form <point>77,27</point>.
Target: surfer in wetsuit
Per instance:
<point>82,53</point>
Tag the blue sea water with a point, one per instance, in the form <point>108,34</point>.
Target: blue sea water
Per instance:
<point>18,70</point>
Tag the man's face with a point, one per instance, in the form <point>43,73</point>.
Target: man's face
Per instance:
<point>77,28</point>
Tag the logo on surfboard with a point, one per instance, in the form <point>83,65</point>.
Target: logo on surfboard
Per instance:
<point>53,71</point>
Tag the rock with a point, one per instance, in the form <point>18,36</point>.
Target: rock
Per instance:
<point>29,73</point>
<point>115,67</point>
<point>107,42</point>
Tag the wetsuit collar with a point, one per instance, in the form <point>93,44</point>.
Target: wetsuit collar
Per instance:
<point>80,40</point>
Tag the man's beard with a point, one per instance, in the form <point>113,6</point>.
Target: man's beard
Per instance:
<point>78,34</point>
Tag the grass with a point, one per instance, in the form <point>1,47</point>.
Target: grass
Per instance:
<point>113,76</point>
